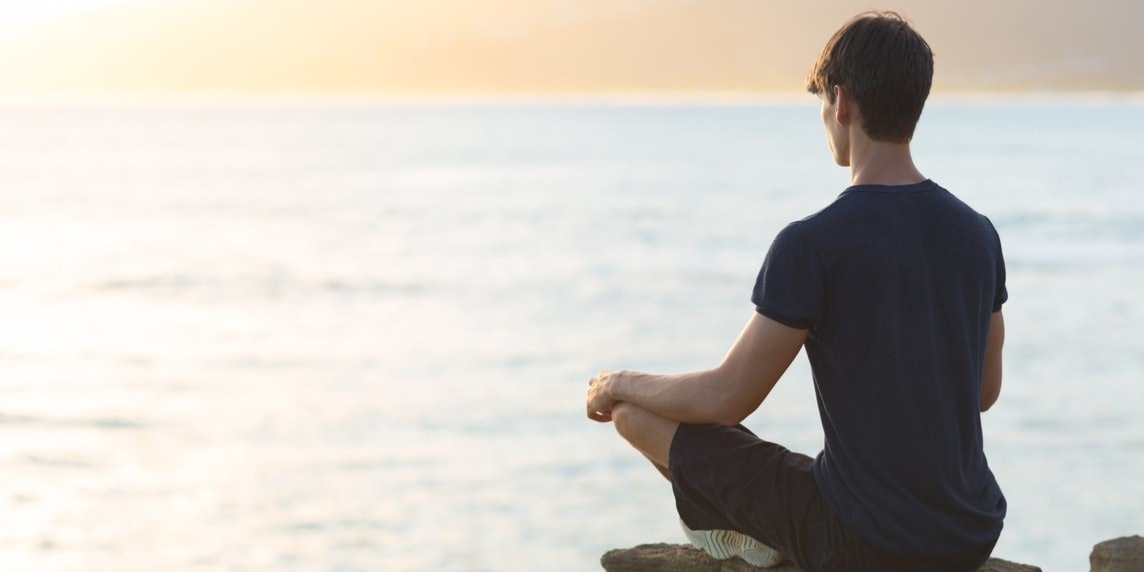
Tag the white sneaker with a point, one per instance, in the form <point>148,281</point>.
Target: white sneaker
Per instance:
<point>725,544</point>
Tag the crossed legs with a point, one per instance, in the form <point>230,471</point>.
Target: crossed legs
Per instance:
<point>647,432</point>
<point>652,435</point>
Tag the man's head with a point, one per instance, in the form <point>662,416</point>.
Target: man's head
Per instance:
<point>884,66</point>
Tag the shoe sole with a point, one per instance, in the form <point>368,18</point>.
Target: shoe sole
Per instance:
<point>725,544</point>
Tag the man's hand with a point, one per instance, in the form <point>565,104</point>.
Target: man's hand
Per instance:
<point>600,401</point>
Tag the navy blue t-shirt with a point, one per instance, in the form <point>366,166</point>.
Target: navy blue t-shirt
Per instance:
<point>896,285</point>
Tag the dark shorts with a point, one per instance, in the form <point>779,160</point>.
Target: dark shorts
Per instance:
<point>726,478</point>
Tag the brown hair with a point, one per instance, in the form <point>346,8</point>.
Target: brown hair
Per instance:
<point>886,68</point>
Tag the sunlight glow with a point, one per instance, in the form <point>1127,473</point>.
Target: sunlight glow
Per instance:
<point>524,46</point>
<point>18,14</point>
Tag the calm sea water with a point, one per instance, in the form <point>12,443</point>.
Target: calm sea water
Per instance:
<point>355,336</point>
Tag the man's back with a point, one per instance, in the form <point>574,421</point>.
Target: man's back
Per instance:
<point>896,285</point>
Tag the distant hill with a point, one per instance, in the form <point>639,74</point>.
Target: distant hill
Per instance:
<point>553,45</point>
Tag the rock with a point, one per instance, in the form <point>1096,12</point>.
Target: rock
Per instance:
<point>1118,555</point>
<point>675,558</point>
<point>686,558</point>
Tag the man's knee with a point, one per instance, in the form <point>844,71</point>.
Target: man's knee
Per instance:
<point>622,419</point>
<point>648,433</point>
<point>631,421</point>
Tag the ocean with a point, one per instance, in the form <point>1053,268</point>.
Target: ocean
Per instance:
<point>340,335</point>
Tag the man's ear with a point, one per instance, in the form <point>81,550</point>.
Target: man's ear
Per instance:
<point>842,105</point>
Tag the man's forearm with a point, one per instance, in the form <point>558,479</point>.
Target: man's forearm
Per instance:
<point>725,394</point>
<point>684,398</point>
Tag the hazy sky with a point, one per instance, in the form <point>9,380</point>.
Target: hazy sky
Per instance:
<point>540,45</point>
<point>15,14</point>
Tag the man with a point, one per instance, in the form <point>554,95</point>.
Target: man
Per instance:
<point>895,291</point>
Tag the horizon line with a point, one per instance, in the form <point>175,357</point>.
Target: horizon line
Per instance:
<point>539,97</point>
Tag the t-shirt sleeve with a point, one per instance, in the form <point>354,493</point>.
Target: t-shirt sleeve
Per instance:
<point>789,288</point>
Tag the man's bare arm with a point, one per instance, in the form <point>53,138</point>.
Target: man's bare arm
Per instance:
<point>725,394</point>
<point>992,364</point>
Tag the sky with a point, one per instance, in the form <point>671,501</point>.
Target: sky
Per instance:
<point>540,45</point>
<point>19,14</point>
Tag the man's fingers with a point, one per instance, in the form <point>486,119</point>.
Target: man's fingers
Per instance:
<point>597,399</point>
<point>601,416</point>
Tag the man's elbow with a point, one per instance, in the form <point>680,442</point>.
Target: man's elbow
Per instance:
<point>992,365</point>
<point>985,405</point>
<point>989,397</point>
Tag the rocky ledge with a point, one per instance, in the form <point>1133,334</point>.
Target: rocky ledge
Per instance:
<point>1125,554</point>
<point>1118,555</point>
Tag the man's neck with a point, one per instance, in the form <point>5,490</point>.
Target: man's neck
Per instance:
<point>882,163</point>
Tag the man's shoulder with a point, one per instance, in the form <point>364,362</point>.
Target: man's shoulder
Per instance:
<point>863,204</point>
<point>883,219</point>
<point>822,221</point>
